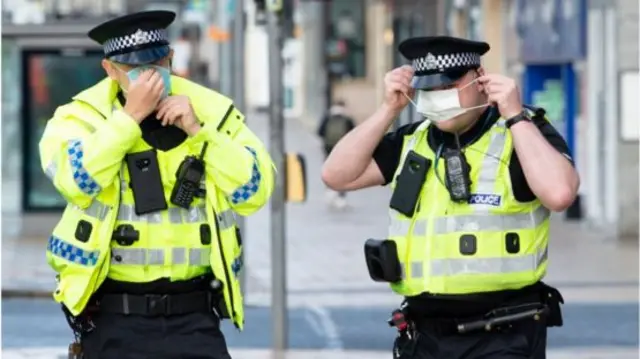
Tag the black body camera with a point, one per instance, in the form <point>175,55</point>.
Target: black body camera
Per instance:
<point>457,178</point>
<point>146,182</point>
<point>188,177</point>
<point>409,184</point>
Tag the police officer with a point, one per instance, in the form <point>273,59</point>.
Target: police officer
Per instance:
<point>473,188</point>
<point>154,169</point>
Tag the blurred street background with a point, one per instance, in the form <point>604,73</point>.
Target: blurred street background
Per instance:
<point>576,58</point>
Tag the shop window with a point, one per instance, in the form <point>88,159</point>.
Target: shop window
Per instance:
<point>50,79</point>
<point>346,39</point>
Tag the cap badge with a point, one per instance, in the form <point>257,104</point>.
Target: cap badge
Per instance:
<point>430,62</point>
<point>140,37</point>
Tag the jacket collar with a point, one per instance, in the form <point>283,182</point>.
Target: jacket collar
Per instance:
<point>102,95</point>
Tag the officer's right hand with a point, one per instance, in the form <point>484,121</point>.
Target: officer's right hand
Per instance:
<point>143,95</point>
<point>397,83</point>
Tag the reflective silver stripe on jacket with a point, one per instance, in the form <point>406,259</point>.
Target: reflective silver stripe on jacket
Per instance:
<point>178,256</point>
<point>124,185</point>
<point>51,170</point>
<point>476,222</point>
<point>96,209</point>
<point>127,212</point>
<point>191,215</point>
<point>400,226</point>
<point>198,214</point>
<point>490,222</point>
<point>490,166</point>
<point>226,219</point>
<point>474,265</point>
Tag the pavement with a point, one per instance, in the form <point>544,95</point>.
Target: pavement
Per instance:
<point>335,309</point>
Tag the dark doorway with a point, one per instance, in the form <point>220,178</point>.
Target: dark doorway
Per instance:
<point>50,78</point>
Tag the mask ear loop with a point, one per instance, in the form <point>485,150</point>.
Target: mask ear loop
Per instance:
<point>469,84</point>
<point>410,100</point>
<point>488,154</point>
<point>473,107</point>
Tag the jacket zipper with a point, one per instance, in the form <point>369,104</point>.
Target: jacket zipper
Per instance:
<point>226,270</point>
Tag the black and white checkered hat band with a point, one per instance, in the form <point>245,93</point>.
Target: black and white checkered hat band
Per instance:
<point>138,38</point>
<point>447,61</point>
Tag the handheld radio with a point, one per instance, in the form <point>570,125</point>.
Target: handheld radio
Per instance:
<point>457,175</point>
<point>188,179</point>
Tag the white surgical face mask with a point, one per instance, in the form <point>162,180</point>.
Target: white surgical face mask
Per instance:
<point>442,105</point>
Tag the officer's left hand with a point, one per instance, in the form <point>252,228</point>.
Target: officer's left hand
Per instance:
<point>177,110</point>
<point>504,92</point>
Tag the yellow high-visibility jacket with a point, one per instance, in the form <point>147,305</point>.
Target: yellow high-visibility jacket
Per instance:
<point>82,152</point>
<point>490,243</point>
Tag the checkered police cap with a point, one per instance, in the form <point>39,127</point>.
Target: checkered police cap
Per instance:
<point>441,60</point>
<point>445,62</point>
<point>136,38</point>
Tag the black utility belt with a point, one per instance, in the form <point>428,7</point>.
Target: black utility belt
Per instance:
<point>496,320</point>
<point>546,309</point>
<point>158,304</point>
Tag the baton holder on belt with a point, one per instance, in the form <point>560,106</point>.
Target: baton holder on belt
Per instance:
<point>501,317</point>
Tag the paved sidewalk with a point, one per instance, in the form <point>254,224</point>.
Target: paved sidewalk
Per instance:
<point>600,353</point>
<point>325,256</point>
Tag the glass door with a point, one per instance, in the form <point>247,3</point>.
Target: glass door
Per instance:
<point>50,78</point>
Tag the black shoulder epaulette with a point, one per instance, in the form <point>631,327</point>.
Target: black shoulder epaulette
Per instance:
<point>537,111</point>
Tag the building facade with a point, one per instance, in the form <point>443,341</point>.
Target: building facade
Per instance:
<point>611,175</point>
<point>628,42</point>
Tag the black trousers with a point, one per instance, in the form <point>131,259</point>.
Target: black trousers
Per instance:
<point>189,336</point>
<point>526,339</point>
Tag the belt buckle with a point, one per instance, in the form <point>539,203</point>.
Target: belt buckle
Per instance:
<point>158,304</point>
